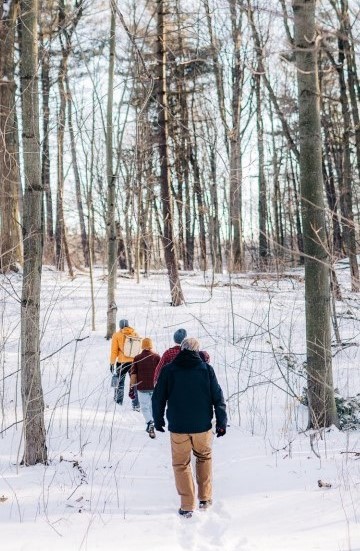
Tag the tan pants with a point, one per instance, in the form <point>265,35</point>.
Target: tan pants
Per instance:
<point>181,447</point>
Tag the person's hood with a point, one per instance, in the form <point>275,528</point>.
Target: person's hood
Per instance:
<point>127,331</point>
<point>188,357</point>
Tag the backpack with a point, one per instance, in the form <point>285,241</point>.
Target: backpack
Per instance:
<point>132,346</point>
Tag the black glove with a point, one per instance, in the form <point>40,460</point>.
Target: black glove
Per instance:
<point>112,368</point>
<point>220,431</point>
<point>159,427</point>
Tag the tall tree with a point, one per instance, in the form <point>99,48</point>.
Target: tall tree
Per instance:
<point>322,409</point>
<point>79,200</point>
<point>347,51</point>
<point>10,240</point>
<point>232,130</point>
<point>345,172</point>
<point>234,135</point>
<point>35,450</point>
<point>47,30</point>
<point>177,297</point>
<point>111,181</point>
<point>67,26</point>
<point>262,209</point>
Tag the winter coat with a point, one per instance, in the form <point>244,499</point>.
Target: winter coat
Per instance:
<point>191,391</point>
<point>170,355</point>
<point>143,368</point>
<point>117,345</point>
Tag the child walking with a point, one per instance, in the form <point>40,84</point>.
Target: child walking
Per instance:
<point>142,378</point>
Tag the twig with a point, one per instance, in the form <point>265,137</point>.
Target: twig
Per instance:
<point>275,450</point>
<point>10,374</point>
<point>63,346</point>
<point>357,454</point>
<point>9,427</point>
<point>312,438</point>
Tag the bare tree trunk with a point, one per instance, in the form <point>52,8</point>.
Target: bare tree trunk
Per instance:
<point>121,247</point>
<point>62,248</point>
<point>90,209</point>
<point>331,192</point>
<point>177,297</point>
<point>189,236</point>
<point>84,238</point>
<point>128,227</point>
<point>60,222</point>
<point>236,229</point>
<point>262,210</point>
<point>138,192</point>
<point>346,201</point>
<point>181,158</point>
<point>10,237</point>
<point>299,232</point>
<point>273,98</point>
<point>200,205</point>
<point>66,30</point>
<point>218,72</point>
<point>263,238</point>
<point>276,206</point>
<point>322,409</point>
<point>181,147</point>
<point>35,450</point>
<point>236,232</point>
<point>346,44</point>
<point>214,214</point>
<point>111,194</point>
<point>49,252</point>
<point>345,173</point>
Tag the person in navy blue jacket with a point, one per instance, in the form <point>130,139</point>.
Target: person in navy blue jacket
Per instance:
<point>189,388</point>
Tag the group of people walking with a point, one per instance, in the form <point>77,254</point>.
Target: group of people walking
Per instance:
<point>183,383</point>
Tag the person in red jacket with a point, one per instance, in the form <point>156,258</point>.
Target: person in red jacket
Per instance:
<point>142,378</point>
<point>171,353</point>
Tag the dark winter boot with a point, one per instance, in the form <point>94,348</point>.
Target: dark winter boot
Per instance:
<point>185,514</point>
<point>203,505</point>
<point>151,430</point>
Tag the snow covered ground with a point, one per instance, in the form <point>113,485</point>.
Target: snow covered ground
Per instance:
<point>108,486</point>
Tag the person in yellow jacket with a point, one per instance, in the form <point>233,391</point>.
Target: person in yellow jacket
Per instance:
<point>123,363</point>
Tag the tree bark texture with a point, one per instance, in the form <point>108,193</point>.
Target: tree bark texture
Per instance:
<point>346,46</point>
<point>48,223</point>
<point>331,196</point>
<point>10,236</point>
<point>177,297</point>
<point>235,206</point>
<point>322,409</point>
<point>346,192</point>
<point>79,201</point>
<point>199,194</point>
<point>60,222</point>
<point>111,192</point>
<point>216,251</point>
<point>35,450</point>
<point>262,209</point>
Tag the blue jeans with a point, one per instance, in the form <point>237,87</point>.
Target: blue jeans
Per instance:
<point>122,370</point>
<point>145,404</point>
